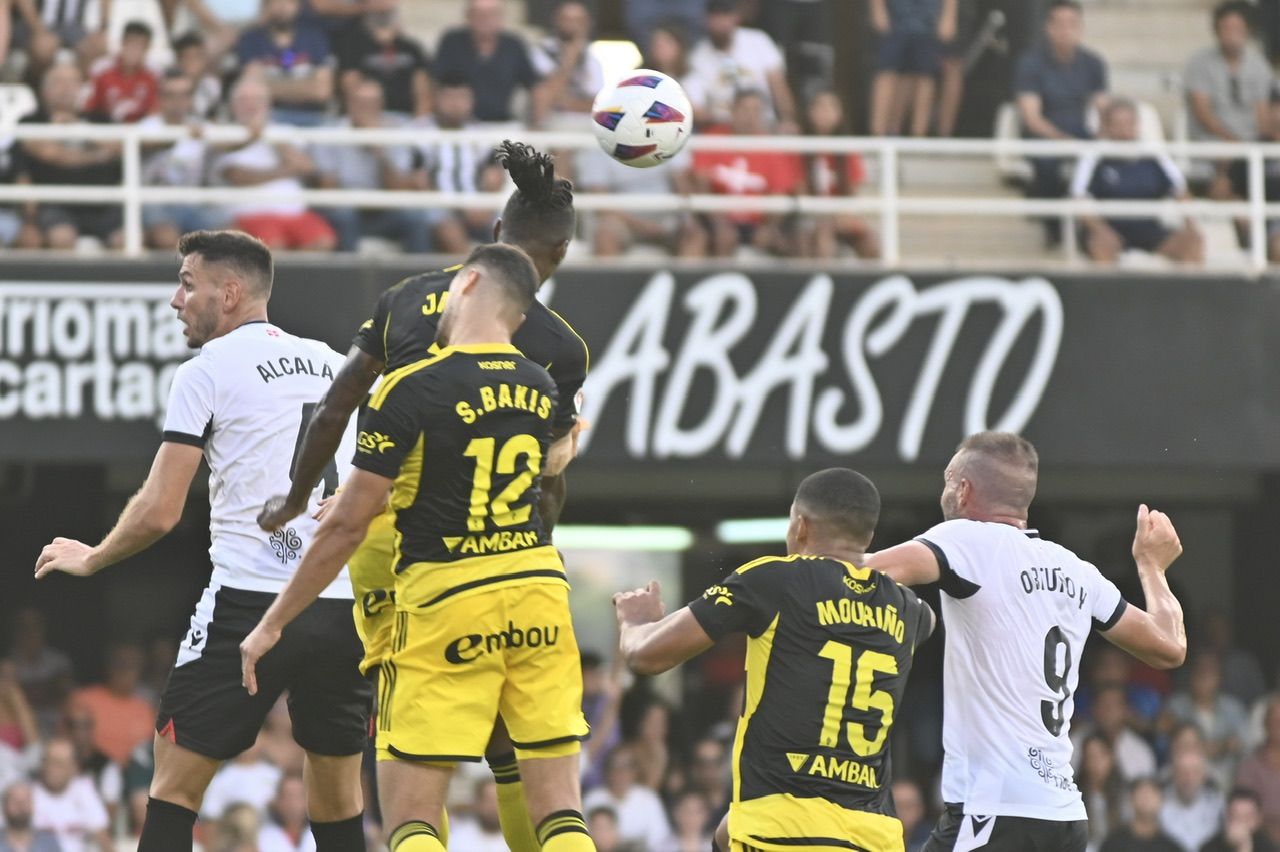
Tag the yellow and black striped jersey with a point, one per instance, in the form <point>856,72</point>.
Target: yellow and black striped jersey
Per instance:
<point>402,331</point>
<point>829,649</point>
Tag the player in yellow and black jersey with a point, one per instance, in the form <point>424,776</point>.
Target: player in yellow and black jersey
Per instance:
<point>482,610</point>
<point>538,218</point>
<point>830,645</point>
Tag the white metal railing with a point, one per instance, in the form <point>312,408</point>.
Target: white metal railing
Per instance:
<point>889,204</point>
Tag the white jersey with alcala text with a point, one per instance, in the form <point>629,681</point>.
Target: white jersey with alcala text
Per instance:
<point>1018,610</point>
<point>245,399</point>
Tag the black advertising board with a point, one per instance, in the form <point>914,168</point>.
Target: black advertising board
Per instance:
<point>752,368</point>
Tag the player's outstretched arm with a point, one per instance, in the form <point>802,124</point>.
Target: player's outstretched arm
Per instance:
<point>337,537</point>
<point>1157,636</point>
<point>148,517</point>
<point>324,434</point>
<point>910,563</point>
<point>650,643</point>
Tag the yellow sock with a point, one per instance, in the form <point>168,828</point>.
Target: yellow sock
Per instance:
<point>442,830</point>
<point>517,828</point>
<point>415,836</point>
<point>565,831</point>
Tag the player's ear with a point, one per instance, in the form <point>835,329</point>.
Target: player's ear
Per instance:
<point>560,251</point>
<point>497,230</point>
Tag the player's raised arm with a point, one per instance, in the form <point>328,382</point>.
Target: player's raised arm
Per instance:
<point>651,643</point>
<point>1157,636</point>
<point>323,435</point>
<point>337,537</point>
<point>911,563</point>
<point>149,516</point>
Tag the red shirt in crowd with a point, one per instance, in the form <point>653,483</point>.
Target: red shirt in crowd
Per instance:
<point>824,173</point>
<point>121,95</point>
<point>750,173</point>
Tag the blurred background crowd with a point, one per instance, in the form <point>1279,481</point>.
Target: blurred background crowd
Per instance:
<point>1166,764</point>
<point>812,67</point>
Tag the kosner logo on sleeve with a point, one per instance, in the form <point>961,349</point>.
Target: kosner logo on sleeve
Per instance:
<point>106,351</point>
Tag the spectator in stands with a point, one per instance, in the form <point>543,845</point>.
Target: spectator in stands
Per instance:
<point>483,832</point>
<point>18,728</point>
<point>908,800</point>
<point>43,672</point>
<point>494,61</point>
<point>1241,674</point>
<point>238,830</point>
<point>1101,786</point>
<point>372,167</point>
<point>10,221</point>
<point>732,59</point>
<point>1057,83</point>
<point>1134,757</point>
<point>908,60</point>
<point>121,717</point>
<point>283,222</point>
<point>249,778</point>
<point>1221,718</point>
<point>601,697</point>
<point>690,816</point>
<point>804,31</point>
<point>1193,804</point>
<point>667,50</point>
<point>18,833</point>
<point>180,163</point>
<point>1142,833</point>
<point>341,18</point>
<point>460,167</point>
<point>602,824</point>
<point>614,232</point>
<point>1142,178</point>
<point>1242,828</point>
<point>1260,772</point>
<point>66,161</point>
<point>124,89</point>
<point>641,817</point>
<point>746,173</point>
<point>286,828</point>
<point>835,175</point>
<point>571,75</point>
<point>710,775</point>
<point>104,773</point>
<point>295,57</point>
<point>191,58</point>
<point>1113,667</point>
<point>43,28</point>
<point>66,804</point>
<point>1228,88</point>
<point>380,50</point>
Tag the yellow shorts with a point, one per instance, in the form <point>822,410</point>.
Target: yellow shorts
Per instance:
<point>373,583</point>
<point>454,668</point>
<point>782,822</point>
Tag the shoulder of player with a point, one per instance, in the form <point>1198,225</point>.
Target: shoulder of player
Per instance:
<point>410,377</point>
<point>417,286</point>
<point>567,350</point>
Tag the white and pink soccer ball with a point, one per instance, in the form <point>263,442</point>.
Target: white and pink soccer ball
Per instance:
<point>643,120</point>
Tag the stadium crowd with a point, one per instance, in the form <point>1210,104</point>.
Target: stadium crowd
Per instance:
<point>749,68</point>
<point>1188,764</point>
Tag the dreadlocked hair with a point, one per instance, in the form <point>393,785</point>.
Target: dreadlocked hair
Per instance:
<point>540,211</point>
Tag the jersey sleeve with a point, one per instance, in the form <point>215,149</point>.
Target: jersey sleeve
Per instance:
<point>914,607</point>
<point>189,416</point>
<point>569,372</point>
<point>956,546</point>
<point>744,602</point>
<point>371,338</point>
<point>389,430</point>
<point>1106,604</point>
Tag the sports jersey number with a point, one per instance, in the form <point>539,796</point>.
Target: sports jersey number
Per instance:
<point>1051,712</point>
<point>330,476</point>
<point>864,697</point>
<point>499,508</point>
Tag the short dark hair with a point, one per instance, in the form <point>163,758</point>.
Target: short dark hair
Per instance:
<point>842,499</point>
<point>1244,794</point>
<point>1145,781</point>
<point>1118,105</point>
<point>453,80</point>
<point>137,28</point>
<point>171,74</point>
<point>540,211</point>
<point>747,92</point>
<point>244,254</point>
<point>1055,5</point>
<point>1227,8</point>
<point>591,660</point>
<point>187,40</point>
<point>511,269</point>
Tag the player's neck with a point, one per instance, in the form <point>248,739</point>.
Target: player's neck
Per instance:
<point>996,517</point>
<point>835,550</point>
<point>480,333</point>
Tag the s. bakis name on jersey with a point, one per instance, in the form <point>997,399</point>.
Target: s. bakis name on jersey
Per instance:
<point>502,396</point>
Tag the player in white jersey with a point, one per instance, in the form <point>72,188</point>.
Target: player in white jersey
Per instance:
<point>1018,611</point>
<point>241,403</point>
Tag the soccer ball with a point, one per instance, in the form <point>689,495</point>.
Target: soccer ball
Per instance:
<point>643,120</point>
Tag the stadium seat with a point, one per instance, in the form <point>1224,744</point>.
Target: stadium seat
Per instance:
<point>1010,166</point>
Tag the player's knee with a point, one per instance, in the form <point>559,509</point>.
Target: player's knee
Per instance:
<point>333,787</point>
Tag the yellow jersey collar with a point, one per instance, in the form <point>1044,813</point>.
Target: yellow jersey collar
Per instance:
<point>483,349</point>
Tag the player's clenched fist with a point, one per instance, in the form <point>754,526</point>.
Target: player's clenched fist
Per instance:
<point>1156,541</point>
<point>640,606</point>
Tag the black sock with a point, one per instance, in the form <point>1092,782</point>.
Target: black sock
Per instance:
<point>167,827</point>
<point>341,836</point>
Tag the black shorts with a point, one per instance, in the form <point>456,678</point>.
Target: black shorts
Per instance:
<point>916,54</point>
<point>206,709</point>
<point>960,832</point>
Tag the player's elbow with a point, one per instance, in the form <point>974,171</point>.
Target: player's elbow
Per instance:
<point>642,659</point>
<point>1171,656</point>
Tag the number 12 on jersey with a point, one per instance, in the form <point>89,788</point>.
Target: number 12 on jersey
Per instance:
<point>864,698</point>
<point>507,459</point>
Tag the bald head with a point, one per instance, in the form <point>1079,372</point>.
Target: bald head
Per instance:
<point>991,477</point>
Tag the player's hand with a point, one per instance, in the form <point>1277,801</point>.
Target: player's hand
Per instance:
<point>254,647</point>
<point>324,507</point>
<point>66,555</point>
<point>277,512</point>
<point>1156,541</point>
<point>641,606</point>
